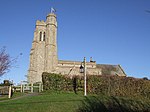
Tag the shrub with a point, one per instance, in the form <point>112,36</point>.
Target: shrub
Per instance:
<point>107,85</point>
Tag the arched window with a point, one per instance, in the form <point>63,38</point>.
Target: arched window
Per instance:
<point>40,36</point>
<point>44,36</point>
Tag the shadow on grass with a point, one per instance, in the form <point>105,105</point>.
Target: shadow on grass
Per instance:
<point>111,104</point>
<point>92,104</point>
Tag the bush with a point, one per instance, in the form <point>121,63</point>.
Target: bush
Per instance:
<point>119,86</point>
<point>56,82</point>
<point>107,85</point>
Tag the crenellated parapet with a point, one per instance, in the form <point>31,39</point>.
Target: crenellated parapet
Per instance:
<point>40,23</point>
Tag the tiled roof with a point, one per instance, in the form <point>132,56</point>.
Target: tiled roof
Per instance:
<point>109,69</point>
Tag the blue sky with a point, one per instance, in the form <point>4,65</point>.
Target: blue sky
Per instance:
<point>111,31</point>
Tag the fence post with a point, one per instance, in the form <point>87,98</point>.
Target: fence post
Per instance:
<point>39,87</point>
<point>31,87</point>
<point>9,95</point>
<point>42,87</point>
<point>21,88</point>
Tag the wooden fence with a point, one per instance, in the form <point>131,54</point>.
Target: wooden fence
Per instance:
<point>24,87</point>
<point>6,90</point>
<point>27,87</point>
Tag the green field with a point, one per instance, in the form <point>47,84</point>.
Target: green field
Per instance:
<point>46,102</point>
<point>70,102</point>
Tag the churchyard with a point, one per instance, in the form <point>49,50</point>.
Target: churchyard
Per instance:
<point>53,101</point>
<point>62,98</point>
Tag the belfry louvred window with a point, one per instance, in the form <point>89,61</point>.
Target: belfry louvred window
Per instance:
<point>40,36</point>
<point>44,36</point>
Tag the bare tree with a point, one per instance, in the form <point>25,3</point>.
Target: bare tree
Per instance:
<point>5,61</point>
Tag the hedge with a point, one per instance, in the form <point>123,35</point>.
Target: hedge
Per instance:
<point>61,83</point>
<point>107,85</point>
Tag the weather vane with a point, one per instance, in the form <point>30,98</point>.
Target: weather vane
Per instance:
<point>53,10</point>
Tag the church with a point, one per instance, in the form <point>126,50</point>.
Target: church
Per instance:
<point>44,58</point>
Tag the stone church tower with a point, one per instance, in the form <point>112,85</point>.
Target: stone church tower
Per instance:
<point>43,55</point>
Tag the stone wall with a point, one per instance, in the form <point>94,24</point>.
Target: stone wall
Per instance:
<point>73,68</point>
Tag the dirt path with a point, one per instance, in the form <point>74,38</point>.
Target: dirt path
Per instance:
<point>26,95</point>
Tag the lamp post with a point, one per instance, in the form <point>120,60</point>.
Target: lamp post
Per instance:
<point>83,70</point>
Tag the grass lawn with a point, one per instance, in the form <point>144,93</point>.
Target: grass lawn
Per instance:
<point>3,97</point>
<point>45,102</point>
<point>70,102</point>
